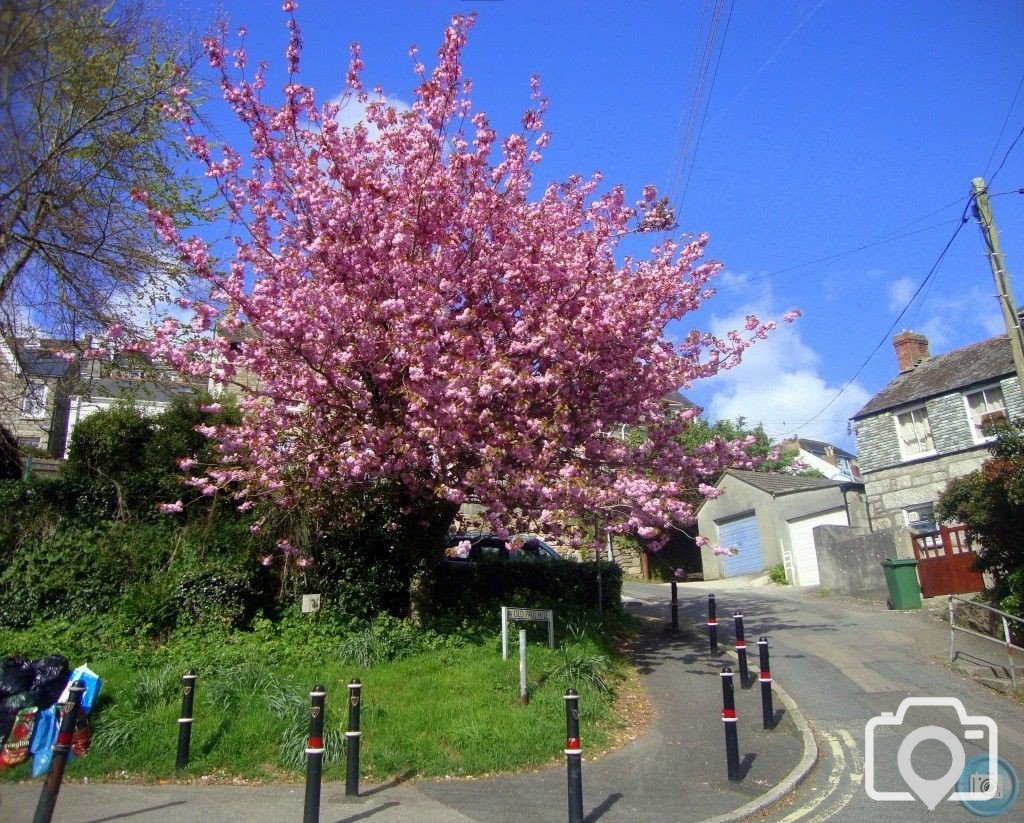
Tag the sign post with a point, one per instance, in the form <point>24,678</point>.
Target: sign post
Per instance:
<point>511,614</point>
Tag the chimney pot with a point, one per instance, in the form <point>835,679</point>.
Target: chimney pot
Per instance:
<point>911,349</point>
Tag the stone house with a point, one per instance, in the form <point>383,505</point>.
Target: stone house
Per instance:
<point>47,388</point>
<point>928,426</point>
<point>36,378</point>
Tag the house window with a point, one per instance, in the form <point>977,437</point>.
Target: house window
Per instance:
<point>921,518</point>
<point>33,401</point>
<point>985,408</point>
<point>29,442</point>
<point>914,432</point>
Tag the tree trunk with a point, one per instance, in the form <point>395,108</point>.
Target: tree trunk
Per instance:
<point>430,521</point>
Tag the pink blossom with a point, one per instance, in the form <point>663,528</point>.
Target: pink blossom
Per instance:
<point>511,334</point>
<point>210,408</point>
<point>266,560</point>
<point>171,508</point>
<point>791,315</point>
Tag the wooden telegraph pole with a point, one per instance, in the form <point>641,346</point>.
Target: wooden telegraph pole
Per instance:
<point>983,213</point>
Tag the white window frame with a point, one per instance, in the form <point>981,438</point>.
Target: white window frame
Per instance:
<point>976,425</point>
<point>899,435</point>
<point>33,400</point>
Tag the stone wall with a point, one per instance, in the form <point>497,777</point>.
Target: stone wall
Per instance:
<point>850,559</point>
<point>892,490</point>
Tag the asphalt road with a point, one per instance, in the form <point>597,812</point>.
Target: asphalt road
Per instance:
<point>845,662</point>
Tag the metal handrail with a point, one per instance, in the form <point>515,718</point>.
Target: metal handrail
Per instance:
<point>1008,641</point>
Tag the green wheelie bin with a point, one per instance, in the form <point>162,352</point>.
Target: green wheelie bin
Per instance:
<point>901,579</point>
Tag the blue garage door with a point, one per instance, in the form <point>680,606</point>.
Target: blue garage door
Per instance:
<point>741,534</point>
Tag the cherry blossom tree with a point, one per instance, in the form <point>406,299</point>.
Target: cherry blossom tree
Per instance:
<point>408,307</point>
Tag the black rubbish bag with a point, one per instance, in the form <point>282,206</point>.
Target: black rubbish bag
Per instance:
<point>9,708</point>
<point>15,676</point>
<point>49,677</point>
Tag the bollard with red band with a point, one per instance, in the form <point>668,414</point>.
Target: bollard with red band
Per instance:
<point>765,678</point>
<point>188,696</point>
<point>712,624</point>
<point>730,721</point>
<point>61,750</point>
<point>675,608</point>
<point>352,737</point>
<point>574,755</point>
<point>314,755</point>
<point>741,650</point>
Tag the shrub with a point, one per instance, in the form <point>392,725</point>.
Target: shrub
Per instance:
<point>387,638</point>
<point>475,590</point>
<point>217,595</point>
<point>777,574</point>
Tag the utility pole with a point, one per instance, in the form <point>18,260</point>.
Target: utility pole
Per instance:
<point>983,213</point>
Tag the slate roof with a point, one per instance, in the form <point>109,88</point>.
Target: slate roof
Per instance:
<point>41,360</point>
<point>159,391</point>
<point>959,369</point>
<point>779,484</point>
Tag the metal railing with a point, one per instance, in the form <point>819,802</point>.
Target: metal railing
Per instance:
<point>1007,635</point>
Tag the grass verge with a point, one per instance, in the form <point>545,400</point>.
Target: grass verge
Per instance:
<point>433,705</point>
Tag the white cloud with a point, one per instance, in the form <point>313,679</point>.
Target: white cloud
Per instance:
<point>952,319</point>
<point>352,112</point>
<point>779,385</point>
<point>900,292</point>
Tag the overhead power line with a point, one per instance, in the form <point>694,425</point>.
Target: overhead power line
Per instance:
<point>1002,129</point>
<point>892,326</point>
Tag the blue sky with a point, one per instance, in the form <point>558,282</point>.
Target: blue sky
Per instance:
<point>827,127</point>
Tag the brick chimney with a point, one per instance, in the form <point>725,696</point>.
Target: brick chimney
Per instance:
<point>911,349</point>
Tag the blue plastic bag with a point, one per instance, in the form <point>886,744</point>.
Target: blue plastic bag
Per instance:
<point>92,683</point>
<point>43,738</point>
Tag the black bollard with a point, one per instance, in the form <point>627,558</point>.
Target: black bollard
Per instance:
<point>767,710</point>
<point>675,609</point>
<point>51,787</point>
<point>314,755</point>
<point>574,755</point>
<point>712,624</point>
<point>352,740</point>
<point>188,696</point>
<point>729,718</point>
<point>741,651</point>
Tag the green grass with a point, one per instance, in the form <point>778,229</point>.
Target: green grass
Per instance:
<point>451,709</point>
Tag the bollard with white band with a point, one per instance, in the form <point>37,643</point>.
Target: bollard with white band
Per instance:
<point>712,624</point>
<point>573,755</point>
<point>730,721</point>
<point>61,751</point>
<point>765,678</point>
<point>675,608</point>
<point>352,737</point>
<point>741,651</point>
<point>314,755</point>
<point>188,691</point>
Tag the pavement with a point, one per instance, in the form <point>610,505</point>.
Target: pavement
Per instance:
<point>675,769</point>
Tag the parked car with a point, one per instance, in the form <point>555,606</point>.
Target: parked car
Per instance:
<point>483,546</point>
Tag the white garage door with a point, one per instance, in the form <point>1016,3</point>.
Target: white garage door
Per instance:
<point>741,534</point>
<point>801,537</point>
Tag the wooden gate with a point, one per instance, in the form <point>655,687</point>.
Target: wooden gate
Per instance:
<point>945,563</point>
